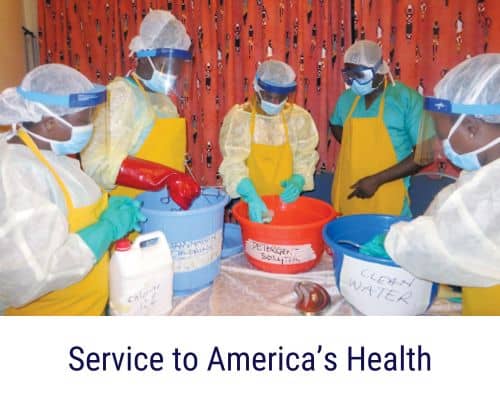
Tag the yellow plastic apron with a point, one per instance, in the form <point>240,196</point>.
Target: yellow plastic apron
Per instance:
<point>366,149</point>
<point>268,165</point>
<point>481,301</point>
<point>90,295</point>
<point>165,144</point>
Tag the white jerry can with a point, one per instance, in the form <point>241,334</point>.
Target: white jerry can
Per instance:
<point>141,276</point>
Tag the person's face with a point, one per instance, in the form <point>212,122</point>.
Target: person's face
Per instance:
<point>361,74</point>
<point>470,135</point>
<point>57,130</point>
<point>274,98</point>
<point>166,65</point>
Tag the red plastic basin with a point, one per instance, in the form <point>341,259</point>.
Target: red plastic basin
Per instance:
<point>293,241</point>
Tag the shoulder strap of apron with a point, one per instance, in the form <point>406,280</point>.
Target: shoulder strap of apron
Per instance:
<point>381,107</point>
<point>252,121</point>
<point>353,107</point>
<point>382,102</point>
<point>32,146</point>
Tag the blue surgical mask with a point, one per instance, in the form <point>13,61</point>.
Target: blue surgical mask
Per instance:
<point>362,89</point>
<point>466,161</point>
<point>80,137</point>
<point>271,108</point>
<point>159,81</point>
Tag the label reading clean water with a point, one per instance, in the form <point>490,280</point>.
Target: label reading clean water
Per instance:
<point>189,255</point>
<point>280,254</point>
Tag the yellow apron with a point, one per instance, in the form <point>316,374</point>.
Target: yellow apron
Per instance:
<point>481,301</point>
<point>165,144</point>
<point>365,150</point>
<point>90,295</point>
<point>268,165</point>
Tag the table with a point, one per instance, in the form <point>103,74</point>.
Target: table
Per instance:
<point>240,289</point>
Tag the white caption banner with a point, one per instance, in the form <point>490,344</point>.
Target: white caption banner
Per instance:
<point>193,254</point>
<point>378,290</point>
<point>279,254</point>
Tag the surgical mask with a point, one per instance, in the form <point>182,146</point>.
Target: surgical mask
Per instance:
<point>159,81</point>
<point>267,106</point>
<point>80,137</point>
<point>467,161</point>
<point>271,108</point>
<point>362,89</point>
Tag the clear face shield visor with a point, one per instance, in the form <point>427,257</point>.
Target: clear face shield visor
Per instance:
<point>275,94</point>
<point>171,71</point>
<point>430,135</point>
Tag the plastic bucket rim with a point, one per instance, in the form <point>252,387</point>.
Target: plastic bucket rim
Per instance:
<point>188,212</point>
<point>346,250</point>
<point>267,227</point>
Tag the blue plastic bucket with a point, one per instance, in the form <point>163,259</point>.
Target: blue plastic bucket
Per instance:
<point>373,285</point>
<point>194,235</point>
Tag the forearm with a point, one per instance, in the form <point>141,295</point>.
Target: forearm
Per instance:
<point>400,170</point>
<point>337,132</point>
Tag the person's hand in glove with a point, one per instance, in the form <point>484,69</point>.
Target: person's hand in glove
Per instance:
<point>292,188</point>
<point>375,247</point>
<point>148,175</point>
<point>256,207</point>
<point>120,217</point>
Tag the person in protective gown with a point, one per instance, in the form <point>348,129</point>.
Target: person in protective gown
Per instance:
<point>268,144</point>
<point>377,123</point>
<point>56,224</point>
<point>139,141</point>
<point>457,240</point>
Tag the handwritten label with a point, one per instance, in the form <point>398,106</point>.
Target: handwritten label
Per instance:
<point>193,254</point>
<point>279,254</point>
<point>143,297</point>
<point>381,290</point>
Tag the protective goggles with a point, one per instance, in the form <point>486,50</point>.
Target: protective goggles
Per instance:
<point>360,73</point>
<point>91,98</point>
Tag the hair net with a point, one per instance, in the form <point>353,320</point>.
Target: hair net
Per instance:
<point>367,53</point>
<point>276,72</point>
<point>473,81</point>
<point>160,29</point>
<point>55,79</point>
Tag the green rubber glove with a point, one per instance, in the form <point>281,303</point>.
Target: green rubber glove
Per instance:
<point>375,247</point>
<point>292,188</point>
<point>256,207</point>
<point>120,217</point>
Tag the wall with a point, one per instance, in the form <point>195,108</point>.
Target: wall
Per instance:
<point>12,65</point>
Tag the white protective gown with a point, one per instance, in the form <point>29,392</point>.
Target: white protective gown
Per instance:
<point>37,252</point>
<point>457,240</point>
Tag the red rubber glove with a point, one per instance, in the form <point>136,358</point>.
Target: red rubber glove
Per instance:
<point>148,175</point>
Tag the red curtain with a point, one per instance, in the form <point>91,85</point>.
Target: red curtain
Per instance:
<point>424,39</point>
<point>229,38</point>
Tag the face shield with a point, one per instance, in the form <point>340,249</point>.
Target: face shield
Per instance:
<point>273,96</point>
<point>74,110</point>
<point>430,135</point>
<point>171,71</point>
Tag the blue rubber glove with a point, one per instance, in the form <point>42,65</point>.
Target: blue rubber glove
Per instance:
<point>256,207</point>
<point>375,247</point>
<point>292,188</point>
<point>120,217</point>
